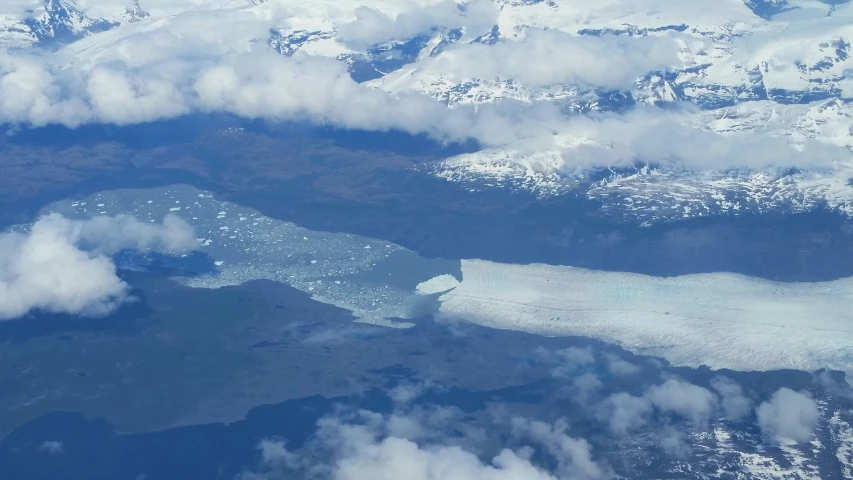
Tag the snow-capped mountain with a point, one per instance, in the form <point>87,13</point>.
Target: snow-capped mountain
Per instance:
<point>727,449</point>
<point>750,68</point>
<point>786,77</point>
<point>51,23</point>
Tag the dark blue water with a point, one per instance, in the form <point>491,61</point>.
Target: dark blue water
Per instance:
<point>192,264</point>
<point>196,128</point>
<point>93,450</point>
<point>441,219</point>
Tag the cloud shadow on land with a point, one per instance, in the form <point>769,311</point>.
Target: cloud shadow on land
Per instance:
<point>127,320</point>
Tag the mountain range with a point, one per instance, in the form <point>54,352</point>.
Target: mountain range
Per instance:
<point>746,69</point>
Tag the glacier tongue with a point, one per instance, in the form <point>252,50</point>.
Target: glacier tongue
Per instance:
<point>719,320</point>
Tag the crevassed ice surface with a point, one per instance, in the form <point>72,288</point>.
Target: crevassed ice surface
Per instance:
<point>720,320</point>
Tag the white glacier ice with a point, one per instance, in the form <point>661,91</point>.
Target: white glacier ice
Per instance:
<point>721,320</point>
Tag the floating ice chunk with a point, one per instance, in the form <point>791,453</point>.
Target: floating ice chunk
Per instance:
<point>439,284</point>
<point>174,209</point>
<point>313,261</point>
<point>100,205</point>
<point>269,249</point>
<point>367,247</point>
<point>218,262</point>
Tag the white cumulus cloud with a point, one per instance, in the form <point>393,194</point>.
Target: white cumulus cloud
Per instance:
<point>624,412</point>
<point>372,446</point>
<point>573,455</point>
<point>690,401</point>
<point>734,402</point>
<point>671,139</point>
<point>547,57</point>
<point>788,415</point>
<point>63,265</point>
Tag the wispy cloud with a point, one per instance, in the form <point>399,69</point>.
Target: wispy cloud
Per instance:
<point>547,57</point>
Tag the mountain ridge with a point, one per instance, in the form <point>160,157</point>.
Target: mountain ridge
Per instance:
<point>751,68</point>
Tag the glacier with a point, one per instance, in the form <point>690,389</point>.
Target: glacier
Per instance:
<point>751,70</point>
<point>720,320</point>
